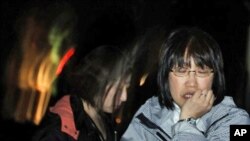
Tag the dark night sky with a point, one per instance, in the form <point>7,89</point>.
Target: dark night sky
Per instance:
<point>117,22</point>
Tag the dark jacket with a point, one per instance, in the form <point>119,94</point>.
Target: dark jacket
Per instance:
<point>67,121</point>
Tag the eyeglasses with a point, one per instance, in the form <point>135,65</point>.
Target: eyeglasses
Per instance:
<point>182,72</point>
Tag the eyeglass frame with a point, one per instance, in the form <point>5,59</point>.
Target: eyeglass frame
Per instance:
<point>187,72</point>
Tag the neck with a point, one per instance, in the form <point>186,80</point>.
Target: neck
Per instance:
<point>96,118</point>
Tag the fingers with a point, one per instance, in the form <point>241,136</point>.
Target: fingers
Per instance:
<point>208,96</point>
<point>197,94</point>
<point>204,94</point>
<point>201,102</point>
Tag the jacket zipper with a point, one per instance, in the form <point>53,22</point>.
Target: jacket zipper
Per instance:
<point>144,120</point>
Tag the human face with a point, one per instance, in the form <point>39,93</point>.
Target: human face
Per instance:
<point>183,88</point>
<point>113,99</point>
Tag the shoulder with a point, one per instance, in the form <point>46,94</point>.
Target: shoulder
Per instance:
<point>152,109</point>
<point>230,112</point>
<point>49,129</point>
<point>59,122</point>
<point>150,105</point>
<point>229,105</point>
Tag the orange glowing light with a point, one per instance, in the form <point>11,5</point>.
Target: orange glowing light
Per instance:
<point>118,120</point>
<point>143,79</point>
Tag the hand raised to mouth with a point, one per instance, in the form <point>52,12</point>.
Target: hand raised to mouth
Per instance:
<point>197,104</point>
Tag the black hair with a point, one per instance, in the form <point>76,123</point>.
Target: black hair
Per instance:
<point>98,69</point>
<point>196,44</point>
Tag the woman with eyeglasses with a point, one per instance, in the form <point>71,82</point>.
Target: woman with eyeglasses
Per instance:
<point>191,105</point>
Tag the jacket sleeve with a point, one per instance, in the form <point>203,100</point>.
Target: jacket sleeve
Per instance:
<point>186,131</point>
<point>218,131</point>
<point>135,132</point>
<point>221,130</point>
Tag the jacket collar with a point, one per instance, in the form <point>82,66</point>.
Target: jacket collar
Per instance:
<point>64,110</point>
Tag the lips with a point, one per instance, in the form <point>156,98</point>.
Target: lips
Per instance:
<point>188,95</point>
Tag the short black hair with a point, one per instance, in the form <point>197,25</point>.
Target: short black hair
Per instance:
<point>197,44</point>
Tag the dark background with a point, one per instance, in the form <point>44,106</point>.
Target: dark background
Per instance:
<point>118,22</point>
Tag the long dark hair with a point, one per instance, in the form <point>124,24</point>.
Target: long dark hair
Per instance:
<point>199,45</point>
<point>98,69</point>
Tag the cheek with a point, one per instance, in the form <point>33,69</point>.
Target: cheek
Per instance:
<point>206,83</point>
<point>109,98</point>
<point>174,85</point>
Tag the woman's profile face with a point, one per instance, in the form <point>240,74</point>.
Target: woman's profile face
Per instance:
<point>116,95</point>
<point>183,88</point>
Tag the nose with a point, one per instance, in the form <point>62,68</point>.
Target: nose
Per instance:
<point>191,79</point>
<point>124,94</point>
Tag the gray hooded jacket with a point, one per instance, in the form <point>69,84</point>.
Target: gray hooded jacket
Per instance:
<point>155,123</point>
